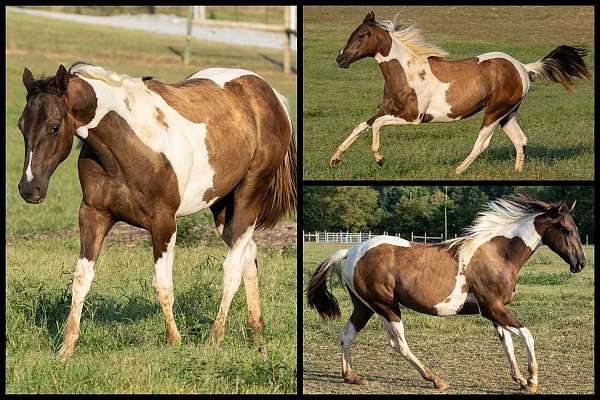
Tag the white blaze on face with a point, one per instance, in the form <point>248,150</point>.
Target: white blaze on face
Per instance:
<point>182,141</point>
<point>28,172</point>
<point>430,91</point>
<point>356,253</point>
<point>518,66</point>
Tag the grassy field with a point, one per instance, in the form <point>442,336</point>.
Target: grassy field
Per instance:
<point>559,125</point>
<point>555,305</point>
<point>122,346</point>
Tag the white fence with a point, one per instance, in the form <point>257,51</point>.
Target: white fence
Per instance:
<point>358,237</point>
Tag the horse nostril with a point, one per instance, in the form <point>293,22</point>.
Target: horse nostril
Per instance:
<point>35,193</point>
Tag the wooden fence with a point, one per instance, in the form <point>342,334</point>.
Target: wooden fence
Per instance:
<point>359,237</point>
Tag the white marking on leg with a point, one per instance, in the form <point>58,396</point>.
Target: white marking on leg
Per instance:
<point>28,172</point>
<point>82,281</point>
<point>347,337</point>
<point>363,126</point>
<point>507,345</point>
<point>518,138</point>
<point>480,145</point>
<point>250,275</point>
<point>232,272</point>
<point>527,338</point>
<point>355,253</point>
<point>221,76</point>
<point>398,342</point>
<point>163,283</point>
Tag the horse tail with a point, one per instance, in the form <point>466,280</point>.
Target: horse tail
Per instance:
<point>281,195</point>
<point>560,65</point>
<point>319,297</point>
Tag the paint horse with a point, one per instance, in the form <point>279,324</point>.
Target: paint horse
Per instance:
<point>153,152</point>
<point>474,274</point>
<point>421,85</point>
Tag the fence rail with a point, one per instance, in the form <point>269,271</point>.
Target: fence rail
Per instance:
<point>359,237</point>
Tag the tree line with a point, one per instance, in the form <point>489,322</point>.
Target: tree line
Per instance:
<point>420,209</point>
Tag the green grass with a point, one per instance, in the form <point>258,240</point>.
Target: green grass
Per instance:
<point>559,125</point>
<point>555,305</point>
<point>122,347</point>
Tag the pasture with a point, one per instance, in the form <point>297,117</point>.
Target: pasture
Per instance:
<point>554,304</point>
<point>122,347</point>
<point>559,125</point>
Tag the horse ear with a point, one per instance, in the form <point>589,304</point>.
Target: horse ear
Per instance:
<point>370,17</point>
<point>573,205</point>
<point>61,80</point>
<point>562,208</point>
<point>27,78</point>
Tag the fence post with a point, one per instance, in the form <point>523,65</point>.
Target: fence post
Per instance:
<point>412,237</point>
<point>425,237</point>
<point>188,37</point>
<point>586,240</point>
<point>287,58</point>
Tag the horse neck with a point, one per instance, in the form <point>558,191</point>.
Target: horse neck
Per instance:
<point>407,60</point>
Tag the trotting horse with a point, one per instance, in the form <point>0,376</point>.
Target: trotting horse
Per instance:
<point>422,86</point>
<point>474,274</point>
<point>220,139</point>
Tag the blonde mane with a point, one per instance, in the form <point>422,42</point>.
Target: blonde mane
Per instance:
<point>497,215</point>
<point>100,73</point>
<point>413,38</point>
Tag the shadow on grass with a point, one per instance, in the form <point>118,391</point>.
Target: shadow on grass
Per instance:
<point>48,307</point>
<point>539,152</point>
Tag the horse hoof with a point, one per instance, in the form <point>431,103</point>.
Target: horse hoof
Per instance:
<point>440,385</point>
<point>381,161</point>
<point>334,161</point>
<point>355,379</point>
<point>532,387</point>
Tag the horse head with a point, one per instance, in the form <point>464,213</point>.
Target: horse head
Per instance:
<point>366,40</point>
<point>560,233</point>
<point>48,129</point>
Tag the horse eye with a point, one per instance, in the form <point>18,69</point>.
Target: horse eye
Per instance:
<point>54,128</point>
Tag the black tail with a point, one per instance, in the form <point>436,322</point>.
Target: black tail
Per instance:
<point>560,65</point>
<point>318,296</point>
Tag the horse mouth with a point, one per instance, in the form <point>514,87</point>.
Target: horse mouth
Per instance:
<point>575,268</point>
<point>344,65</point>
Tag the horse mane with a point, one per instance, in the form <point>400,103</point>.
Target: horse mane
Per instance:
<point>495,215</point>
<point>106,75</point>
<point>412,37</point>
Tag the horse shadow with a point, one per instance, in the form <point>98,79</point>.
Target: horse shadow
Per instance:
<point>128,307</point>
<point>538,152</point>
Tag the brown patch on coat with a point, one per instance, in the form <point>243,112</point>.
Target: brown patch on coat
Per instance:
<point>81,101</point>
<point>126,100</point>
<point>399,99</point>
<point>422,75</point>
<point>160,118</point>
<point>419,277</point>
<point>494,84</point>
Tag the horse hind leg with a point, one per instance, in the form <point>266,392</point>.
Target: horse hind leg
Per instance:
<point>517,137</point>
<point>395,329</point>
<point>359,318</point>
<point>483,141</point>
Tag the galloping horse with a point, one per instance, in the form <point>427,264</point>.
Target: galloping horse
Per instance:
<point>153,152</point>
<point>422,86</point>
<point>474,274</point>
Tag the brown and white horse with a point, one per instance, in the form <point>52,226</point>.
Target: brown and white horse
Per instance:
<point>220,139</point>
<point>474,274</point>
<point>421,85</point>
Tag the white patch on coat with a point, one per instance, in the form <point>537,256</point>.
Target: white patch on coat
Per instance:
<point>183,142</point>
<point>355,253</point>
<point>163,268</point>
<point>28,172</point>
<point>221,76</point>
<point>430,91</point>
<point>518,66</point>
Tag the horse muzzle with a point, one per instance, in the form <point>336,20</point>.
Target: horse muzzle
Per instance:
<point>577,267</point>
<point>342,61</point>
<point>32,192</point>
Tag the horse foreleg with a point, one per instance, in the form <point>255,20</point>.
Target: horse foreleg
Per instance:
<point>379,123</point>
<point>395,330</point>
<point>517,137</point>
<point>500,315</point>
<point>507,345</point>
<point>93,228</point>
<point>482,143</point>
<point>164,236</point>
<point>363,126</point>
